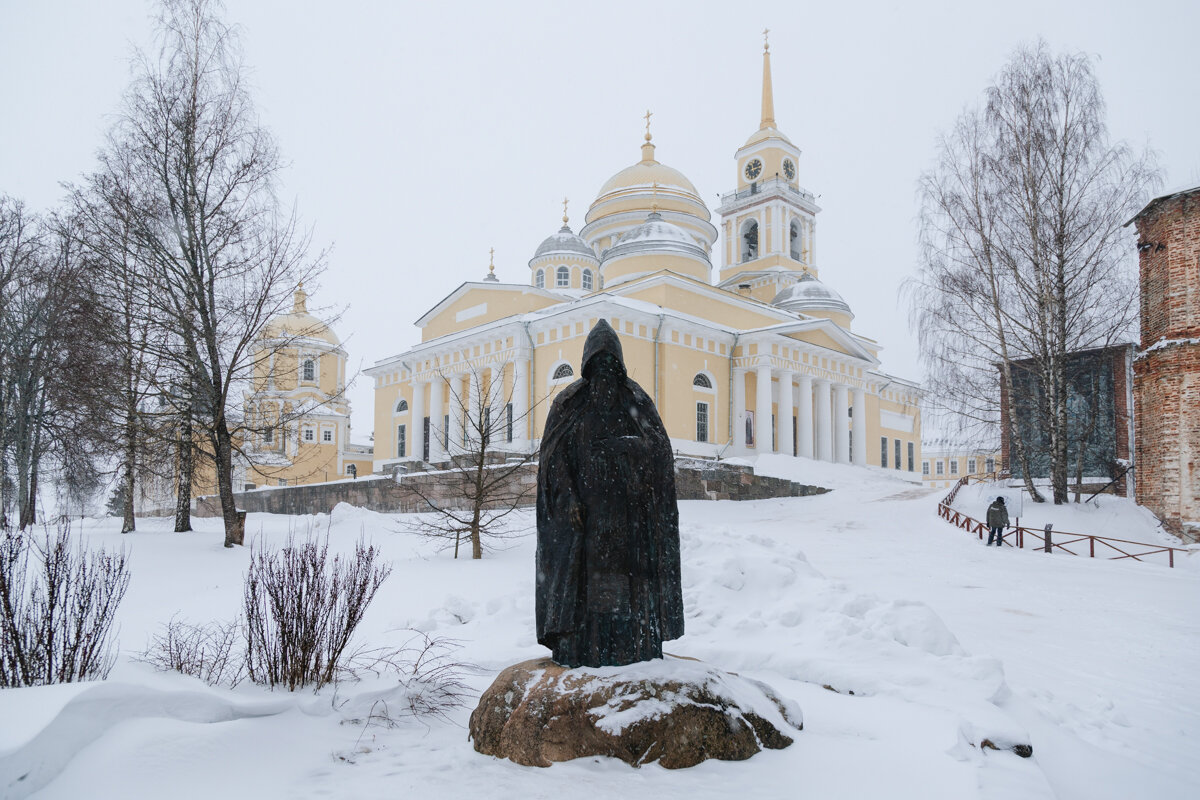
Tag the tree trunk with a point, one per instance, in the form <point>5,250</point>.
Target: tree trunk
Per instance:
<point>129,476</point>
<point>224,459</point>
<point>186,464</point>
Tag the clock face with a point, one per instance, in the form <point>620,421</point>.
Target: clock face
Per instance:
<point>789,169</point>
<point>753,169</point>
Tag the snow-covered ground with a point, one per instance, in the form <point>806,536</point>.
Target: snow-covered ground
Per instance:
<point>931,642</point>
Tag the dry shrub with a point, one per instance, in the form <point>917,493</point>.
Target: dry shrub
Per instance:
<point>301,609</point>
<point>58,603</point>
<point>212,652</point>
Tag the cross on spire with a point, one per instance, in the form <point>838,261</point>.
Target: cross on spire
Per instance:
<point>766,44</point>
<point>648,116</point>
<point>564,211</point>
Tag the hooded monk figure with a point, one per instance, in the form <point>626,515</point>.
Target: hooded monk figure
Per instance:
<point>608,590</point>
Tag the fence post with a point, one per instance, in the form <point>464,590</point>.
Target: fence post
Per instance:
<point>1049,525</point>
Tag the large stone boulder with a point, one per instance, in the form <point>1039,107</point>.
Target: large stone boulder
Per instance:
<point>676,711</point>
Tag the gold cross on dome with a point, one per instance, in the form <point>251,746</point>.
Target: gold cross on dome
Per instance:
<point>766,44</point>
<point>491,259</point>
<point>564,211</point>
<point>648,116</point>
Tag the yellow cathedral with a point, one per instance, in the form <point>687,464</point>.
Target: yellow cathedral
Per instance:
<point>764,359</point>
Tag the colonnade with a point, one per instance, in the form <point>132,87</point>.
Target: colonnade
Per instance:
<point>815,413</point>
<point>461,404</point>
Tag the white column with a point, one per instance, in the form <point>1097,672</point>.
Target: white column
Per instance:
<point>805,437</point>
<point>824,419</point>
<point>496,401</point>
<point>739,410</point>
<point>474,416</point>
<point>787,423</point>
<point>457,403</point>
<point>436,417</point>
<point>762,411</point>
<point>418,420</point>
<point>841,422</point>
<point>860,427</point>
<point>520,394</point>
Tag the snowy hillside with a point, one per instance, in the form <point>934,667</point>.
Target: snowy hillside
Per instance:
<point>904,641</point>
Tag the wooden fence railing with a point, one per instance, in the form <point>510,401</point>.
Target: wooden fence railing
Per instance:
<point>1049,540</point>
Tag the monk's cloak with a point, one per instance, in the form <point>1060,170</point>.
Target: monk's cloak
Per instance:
<point>608,576</point>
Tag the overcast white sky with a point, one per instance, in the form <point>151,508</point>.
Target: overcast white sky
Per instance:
<point>422,134</point>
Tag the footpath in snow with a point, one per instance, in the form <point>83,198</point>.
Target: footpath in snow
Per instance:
<point>904,641</point>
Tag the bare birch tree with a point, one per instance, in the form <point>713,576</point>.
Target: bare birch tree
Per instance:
<point>1023,255</point>
<point>474,496</point>
<point>191,175</point>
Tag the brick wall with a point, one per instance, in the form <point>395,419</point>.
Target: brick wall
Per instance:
<point>694,480</point>
<point>1167,370</point>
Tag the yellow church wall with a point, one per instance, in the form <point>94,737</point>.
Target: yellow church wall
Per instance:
<point>497,304</point>
<point>648,264</point>
<point>725,313</point>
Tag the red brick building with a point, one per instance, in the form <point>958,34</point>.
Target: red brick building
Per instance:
<point>1167,368</point>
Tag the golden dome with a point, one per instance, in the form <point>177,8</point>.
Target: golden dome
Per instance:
<point>645,174</point>
<point>299,324</point>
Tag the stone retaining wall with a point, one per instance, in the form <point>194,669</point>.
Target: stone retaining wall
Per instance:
<point>694,480</point>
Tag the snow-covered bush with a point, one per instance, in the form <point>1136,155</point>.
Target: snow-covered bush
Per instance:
<point>212,652</point>
<point>57,606</point>
<point>301,609</point>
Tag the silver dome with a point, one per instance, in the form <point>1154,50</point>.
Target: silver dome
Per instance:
<point>809,294</point>
<point>563,242</point>
<point>656,235</point>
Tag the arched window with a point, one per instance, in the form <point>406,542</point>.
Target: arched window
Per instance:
<point>563,371</point>
<point>795,239</point>
<point>587,280</point>
<point>750,241</point>
<point>562,277</point>
<point>540,280</point>
<point>402,405</point>
<point>702,381</point>
<point>309,370</point>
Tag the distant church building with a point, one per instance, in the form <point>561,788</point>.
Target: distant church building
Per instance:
<point>762,360</point>
<point>1167,368</point>
<point>297,413</point>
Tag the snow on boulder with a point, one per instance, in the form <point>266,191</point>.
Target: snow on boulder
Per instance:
<point>678,712</point>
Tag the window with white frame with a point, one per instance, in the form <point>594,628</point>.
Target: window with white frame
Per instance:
<point>971,464</point>
<point>883,443</point>
<point>897,464</point>
<point>912,453</point>
<point>701,422</point>
<point>562,372</point>
<point>401,440</point>
<point>989,465</point>
<point>327,435</point>
<point>309,435</point>
<point>309,370</point>
<point>402,406</point>
<point>587,280</point>
<point>954,466</point>
<point>924,467</point>
<point>540,279</point>
<point>940,468</point>
<point>702,381</point>
<point>562,277</point>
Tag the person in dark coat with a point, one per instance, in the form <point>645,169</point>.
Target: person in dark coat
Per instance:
<point>997,521</point>
<point>608,578</point>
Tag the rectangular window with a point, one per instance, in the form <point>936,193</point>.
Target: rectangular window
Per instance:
<point>309,435</point>
<point>269,436</point>
<point>425,439</point>
<point>912,454</point>
<point>941,468</point>
<point>326,436</point>
<point>954,466</point>
<point>971,465</point>
<point>701,422</point>
<point>990,465</point>
<point>401,441</point>
<point>283,481</point>
<point>508,422</point>
<point>749,428</point>
<point>309,370</point>
<point>924,467</point>
<point>883,451</point>
<point>897,464</point>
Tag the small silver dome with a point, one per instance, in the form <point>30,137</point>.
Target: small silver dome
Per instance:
<point>563,242</point>
<point>656,235</point>
<point>809,294</point>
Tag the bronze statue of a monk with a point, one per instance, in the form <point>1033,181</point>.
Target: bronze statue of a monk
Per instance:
<point>608,590</point>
